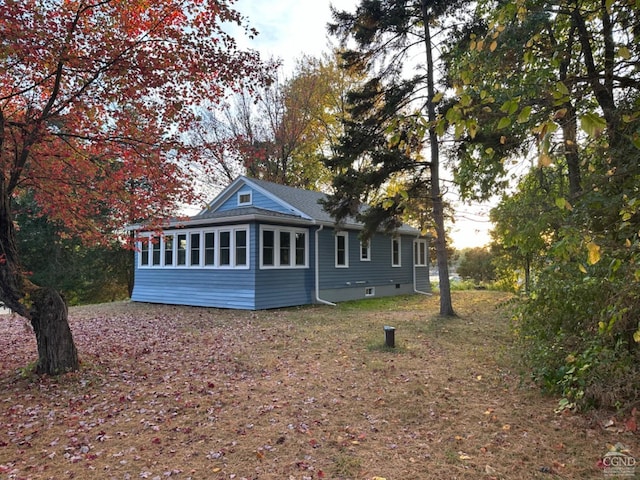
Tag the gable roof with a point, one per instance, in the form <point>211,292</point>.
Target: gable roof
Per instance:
<point>301,205</point>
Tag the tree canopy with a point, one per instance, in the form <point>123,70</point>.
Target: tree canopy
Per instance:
<point>95,97</point>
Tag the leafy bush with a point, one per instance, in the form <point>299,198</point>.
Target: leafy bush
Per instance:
<point>577,334</point>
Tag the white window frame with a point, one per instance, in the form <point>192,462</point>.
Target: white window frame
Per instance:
<point>292,232</point>
<point>161,248</point>
<point>365,247</point>
<point>344,235</point>
<point>396,241</point>
<point>369,291</point>
<point>245,202</point>
<point>420,253</point>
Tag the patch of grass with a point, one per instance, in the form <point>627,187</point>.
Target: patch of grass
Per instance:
<point>347,466</point>
<point>185,392</point>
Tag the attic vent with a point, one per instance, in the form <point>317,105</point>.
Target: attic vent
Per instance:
<point>244,198</point>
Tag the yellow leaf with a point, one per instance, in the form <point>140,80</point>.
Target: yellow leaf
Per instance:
<point>503,139</point>
<point>480,45</point>
<point>624,53</point>
<point>544,160</point>
<point>636,336</point>
<point>506,427</point>
<point>594,253</point>
<point>581,268</point>
<point>378,478</point>
<point>216,470</point>
<point>493,46</point>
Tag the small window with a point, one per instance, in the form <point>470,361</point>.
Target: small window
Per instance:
<point>365,251</point>
<point>244,198</point>
<point>225,248</point>
<point>144,252</point>
<point>370,292</point>
<point>342,250</point>
<point>155,251</point>
<point>420,253</point>
<point>301,249</point>
<point>182,249</point>
<point>210,248</point>
<point>241,247</point>
<point>195,249</point>
<point>168,250</point>
<point>268,247</point>
<point>395,252</point>
<point>285,249</point>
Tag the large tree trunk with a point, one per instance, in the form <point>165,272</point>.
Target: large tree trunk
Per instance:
<point>446,305</point>
<point>49,317</point>
<point>56,350</point>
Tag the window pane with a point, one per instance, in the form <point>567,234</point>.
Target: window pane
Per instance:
<point>300,248</point>
<point>195,249</point>
<point>341,254</point>
<point>209,248</point>
<point>364,250</point>
<point>285,248</point>
<point>168,250</point>
<point>395,252</point>
<point>267,247</point>
<point>182,249</point>
<point>155,257</point>
<point>225,248</point>
<point>241,247</point>
<point>144,253</point>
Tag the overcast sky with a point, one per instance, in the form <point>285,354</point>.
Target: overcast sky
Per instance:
<point>290,28</point>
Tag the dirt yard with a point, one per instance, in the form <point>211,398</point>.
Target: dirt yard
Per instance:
<point>301,393</point>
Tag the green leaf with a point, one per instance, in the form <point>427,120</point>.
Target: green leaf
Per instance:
<point>592,124</point>
<point>624,52</point>
<point>524,115</point>
<point>437,97</point>
<point>465,100</point>
<point>510,106</point>
<point>504,123</point>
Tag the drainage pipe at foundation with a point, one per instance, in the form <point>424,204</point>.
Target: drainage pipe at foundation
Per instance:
<point>317,261</point>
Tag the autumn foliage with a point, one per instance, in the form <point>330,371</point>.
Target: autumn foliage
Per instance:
<point>95,99</point>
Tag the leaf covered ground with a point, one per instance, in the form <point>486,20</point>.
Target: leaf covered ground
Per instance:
<point>301,393</point>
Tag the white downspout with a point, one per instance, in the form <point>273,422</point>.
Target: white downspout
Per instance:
<point>317,261</point>
<point>415,280</point>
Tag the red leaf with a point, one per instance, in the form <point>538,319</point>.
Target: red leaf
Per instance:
<point>156,441</point>
<point>631,425</point>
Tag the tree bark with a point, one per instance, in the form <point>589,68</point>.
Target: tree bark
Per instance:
<point>49,317</point>
<point>56,351</point>
<point>446,306</point>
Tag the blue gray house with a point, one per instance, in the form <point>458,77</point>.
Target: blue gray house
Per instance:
<point>261,245</point>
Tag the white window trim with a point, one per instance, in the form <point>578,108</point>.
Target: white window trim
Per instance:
<point>216,232</point>
<point>393,241</point>
<point>417,261</point>
<point>366,243</point>
<point>344,235</point>
<point>246,202</point>
<point>276,247</point>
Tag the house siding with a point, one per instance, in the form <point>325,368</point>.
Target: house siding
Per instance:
<point>256,288</point>
<point>202,287</point>
<point>339,284</point>
<point>258,200</point>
